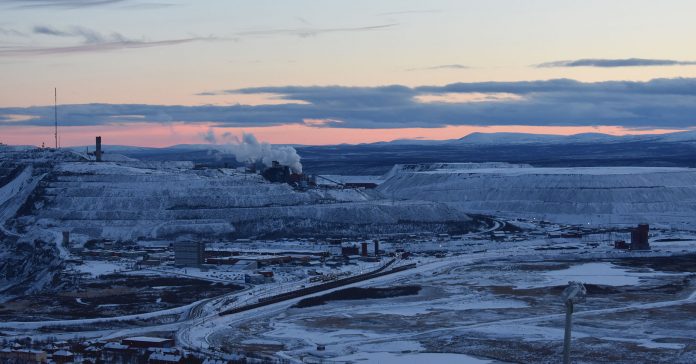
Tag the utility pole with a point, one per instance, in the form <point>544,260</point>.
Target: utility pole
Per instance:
<point>568,327</point>
<point>575,292</point>
<point>55,113</point>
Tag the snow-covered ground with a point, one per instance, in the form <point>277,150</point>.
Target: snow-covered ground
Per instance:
<point>474,307</point>
<point>595,195</point>
<point>603,273</point>
<point>96,268</point>
<point>478,298</point>
<point>410,358</point>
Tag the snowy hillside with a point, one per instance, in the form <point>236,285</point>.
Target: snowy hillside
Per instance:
<point>45,192</point>
<point>132,200</point>
<point>591,194</point>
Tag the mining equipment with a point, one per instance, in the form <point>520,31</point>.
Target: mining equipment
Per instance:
<point>278,173</point>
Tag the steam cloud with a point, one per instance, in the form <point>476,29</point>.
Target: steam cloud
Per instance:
<point>250,150</point>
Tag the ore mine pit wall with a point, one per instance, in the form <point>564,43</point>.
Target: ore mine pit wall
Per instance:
<point>594,195</point>
<point>129,201</point>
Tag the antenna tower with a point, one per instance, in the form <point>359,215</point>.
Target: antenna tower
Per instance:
<point>55,113</point>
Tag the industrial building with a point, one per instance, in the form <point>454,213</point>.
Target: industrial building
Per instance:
<point>277,173</point>
<point>148,342</point>
<point>259,278</point>
<point>362,250</point>
<point>22,356</point>
<point>350,250</point>
<point>621,244</point>
<point>189,253</point>
<point>639,237</point>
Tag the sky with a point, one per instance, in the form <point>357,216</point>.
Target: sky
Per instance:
<point>164,72</point>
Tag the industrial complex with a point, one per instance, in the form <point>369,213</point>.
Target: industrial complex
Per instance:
<point>119,260</point>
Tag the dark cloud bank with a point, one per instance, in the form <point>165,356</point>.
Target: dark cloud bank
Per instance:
<point>615,63</point>
<point>659,103</point>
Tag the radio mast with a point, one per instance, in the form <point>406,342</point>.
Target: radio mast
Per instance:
<point>55,113</point>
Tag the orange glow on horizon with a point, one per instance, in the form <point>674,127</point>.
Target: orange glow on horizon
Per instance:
<point>163,135</point>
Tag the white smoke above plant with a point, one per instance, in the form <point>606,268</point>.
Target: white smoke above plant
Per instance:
<point>250,150</point>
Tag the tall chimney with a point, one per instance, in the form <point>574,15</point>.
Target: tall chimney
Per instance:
<point>98,151</point>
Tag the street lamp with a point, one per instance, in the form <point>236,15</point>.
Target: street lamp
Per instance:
<point>574,293</point>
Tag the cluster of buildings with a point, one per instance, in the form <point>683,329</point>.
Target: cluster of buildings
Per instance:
<point>362,250</point>
<point>195,254</point>
<point>639,239</point>
<point>217,262</point>
<point>110,250</point>
<point>133,350</point>
<point>639,236</point>
<point>278,173</point>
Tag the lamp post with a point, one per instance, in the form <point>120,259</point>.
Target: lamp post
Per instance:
<point>574,293</point>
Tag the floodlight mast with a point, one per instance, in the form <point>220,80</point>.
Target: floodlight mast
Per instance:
<point>575,292</point>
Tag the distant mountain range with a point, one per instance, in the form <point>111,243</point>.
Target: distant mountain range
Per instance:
<point>588,149</point>
<point>500,138</point>
<point>529,138</point>
<point>584,138</point>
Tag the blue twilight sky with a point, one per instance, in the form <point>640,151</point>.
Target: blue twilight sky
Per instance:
<point>366,70</point>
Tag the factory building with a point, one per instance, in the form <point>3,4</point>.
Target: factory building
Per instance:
<point>639,237</point>
<point>189,253</point>
<point>363,249</point>
<point>148,342</point>
<point>350,250</point>
<point>258,278</point>
<point>621,244</point>
<point>22,356</point>
<point>277,173</point>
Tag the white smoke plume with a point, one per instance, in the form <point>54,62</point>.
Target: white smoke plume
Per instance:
<point>250,150</point>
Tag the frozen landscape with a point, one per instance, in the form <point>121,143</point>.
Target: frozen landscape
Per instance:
<point>347,182</point>
<point>442,262</point>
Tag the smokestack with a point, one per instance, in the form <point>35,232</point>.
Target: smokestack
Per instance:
<point>364,249</point>
<point>98,151</point>
<point>376,247</point>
